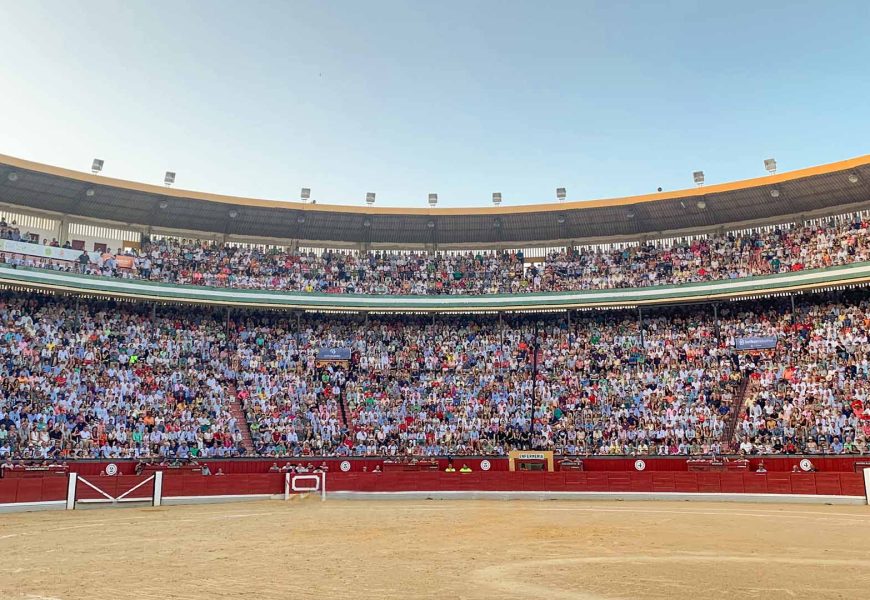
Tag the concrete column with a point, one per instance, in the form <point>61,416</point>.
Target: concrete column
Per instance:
<point>62,231</point>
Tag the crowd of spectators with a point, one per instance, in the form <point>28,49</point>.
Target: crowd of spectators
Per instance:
<point>813,394</point>
<point>11,231</point>
<point>468,388</point>
<point>94,381</point>
<point>729,255</point>
<point>106,380</point>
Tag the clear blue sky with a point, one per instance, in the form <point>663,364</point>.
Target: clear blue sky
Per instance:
<point>462,98</point>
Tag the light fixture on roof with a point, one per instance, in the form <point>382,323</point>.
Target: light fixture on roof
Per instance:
<point>698,176</point>
<point>367,223</point>
<point>853,178</point>
<point>770,165</point>
<point>433,200</point>
<point>774,193</point>
<point>430,224</point>
<point>370,198</point>
<point>305,195</point>
<point>701,204</point>
<point>164,204</point>
<point>13,176</point>
<point>300,219</point>
<point>496,198</point>
<point>629,214</point>
<point>561,219</point>
<point>561,194</point>
<point>496,223</point>
<point>233,213</point>
<point>169,178</point>
<point>90,192</point>
<point>97,165</point>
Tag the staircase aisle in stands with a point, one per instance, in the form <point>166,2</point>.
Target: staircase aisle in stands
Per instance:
<point>738,407</point>
<point>342,402</point>
<point>238,412</point>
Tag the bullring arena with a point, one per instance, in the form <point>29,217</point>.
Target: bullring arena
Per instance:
<point>442,406</point>
<point>439,549</point>
<point>173,533</point>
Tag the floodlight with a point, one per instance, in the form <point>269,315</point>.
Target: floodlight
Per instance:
<point>496,198</point>
<point>433,200</point>
<point>305,195</point>
<point>770,165</point>
<point>97,165</point>
<point>699,177</point>
<point>370,198</point>
<point>169,178</point>
<point>561,194</point>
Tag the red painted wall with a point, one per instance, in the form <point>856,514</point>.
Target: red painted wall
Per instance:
<point>784,464</point>
<point>37,489</point>
<point>835,483</point>
<point>244,483</point>
<point>847,484</point>
<point>115,486</point>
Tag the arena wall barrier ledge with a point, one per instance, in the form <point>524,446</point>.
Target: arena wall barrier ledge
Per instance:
<point>844,483</point>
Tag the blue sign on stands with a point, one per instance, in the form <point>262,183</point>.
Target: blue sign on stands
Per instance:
<point>334,354</point>
<point>755,343</point>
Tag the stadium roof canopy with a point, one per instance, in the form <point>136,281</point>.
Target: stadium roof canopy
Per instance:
<point>816,191</point>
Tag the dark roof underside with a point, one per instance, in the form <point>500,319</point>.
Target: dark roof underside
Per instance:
<point>67,195</point>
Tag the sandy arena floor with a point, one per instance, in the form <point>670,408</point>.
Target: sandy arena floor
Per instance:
<point>438,549</point>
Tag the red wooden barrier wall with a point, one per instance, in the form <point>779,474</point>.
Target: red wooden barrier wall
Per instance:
<point>836,484</point>
<point>38,489</point>
<point>783,464</point>
<point>114,487</point>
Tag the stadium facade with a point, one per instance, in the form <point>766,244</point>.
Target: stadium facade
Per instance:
<point>99,213</point>
<point>540,375</point>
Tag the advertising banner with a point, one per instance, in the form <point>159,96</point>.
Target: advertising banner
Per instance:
<point>755,343</point>
<point>41,251</point>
